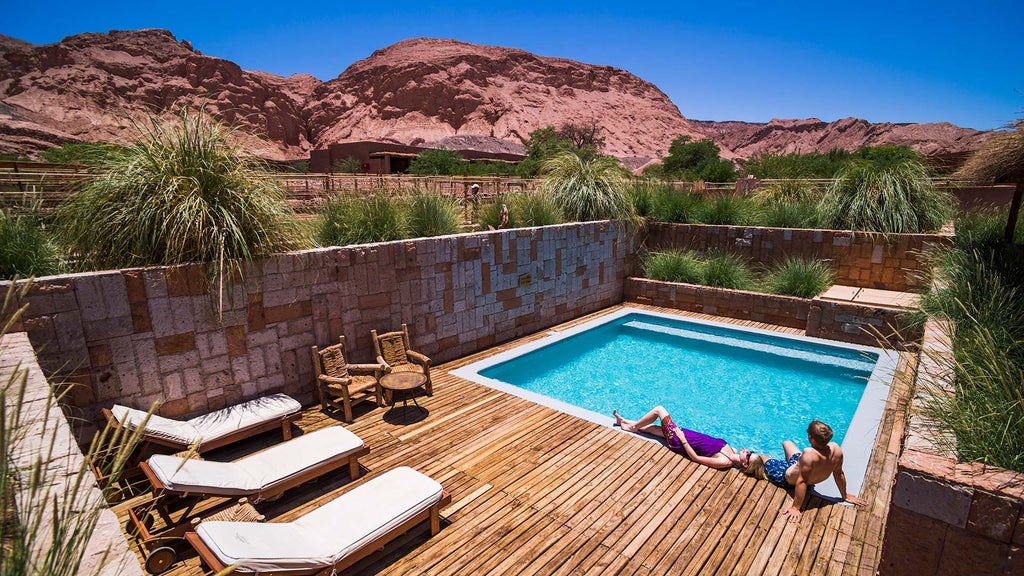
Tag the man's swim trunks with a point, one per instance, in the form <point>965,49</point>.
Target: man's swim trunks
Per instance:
<point>702,444</point>
<point>775,470</point>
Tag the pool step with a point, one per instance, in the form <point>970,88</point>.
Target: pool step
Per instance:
<point>862,364</point>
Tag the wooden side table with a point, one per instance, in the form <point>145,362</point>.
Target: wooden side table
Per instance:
<point>404,384</point>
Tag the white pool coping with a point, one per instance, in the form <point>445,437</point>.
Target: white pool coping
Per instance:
<point>858,442</point>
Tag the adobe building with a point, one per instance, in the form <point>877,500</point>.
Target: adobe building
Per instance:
<point>388,158</point>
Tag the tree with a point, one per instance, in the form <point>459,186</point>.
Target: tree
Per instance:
<point>697,161</point>
<point>437,161</point>
<point>548,142</point>
<point>583,136</point>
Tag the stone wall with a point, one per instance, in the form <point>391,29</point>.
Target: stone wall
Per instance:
<point>153,335</point>
<point>852,323</point>
<point>859,259</point>
<point>948,517</point>
<point>46,440</point>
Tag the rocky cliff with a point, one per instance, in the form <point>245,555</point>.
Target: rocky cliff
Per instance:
<point>98,87</point>
<point>749,139</point>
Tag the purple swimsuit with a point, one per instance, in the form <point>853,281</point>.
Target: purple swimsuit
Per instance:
<point>702,444</point>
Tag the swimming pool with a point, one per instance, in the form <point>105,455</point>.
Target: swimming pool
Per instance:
<point>753,387</point>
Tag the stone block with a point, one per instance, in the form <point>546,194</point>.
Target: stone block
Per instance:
<point>235,336</point>
<point>967,554</point>
<point>177,408</point>
<point>175,344</point>
<point>933,497</point>
<point>993,516</point>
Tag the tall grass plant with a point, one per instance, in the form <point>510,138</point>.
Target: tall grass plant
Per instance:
<point>432,215</point>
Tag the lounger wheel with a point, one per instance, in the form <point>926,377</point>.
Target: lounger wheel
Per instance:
<point>160,559</point>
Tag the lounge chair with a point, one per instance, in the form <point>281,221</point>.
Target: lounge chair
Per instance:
<point>180,484</point>
<point>215,429</point>
<point>337,379</point>
<point>394,351</point>
<point>331,537</point>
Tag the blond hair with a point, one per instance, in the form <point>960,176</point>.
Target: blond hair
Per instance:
<point>819,431</point>
<point>755,467</point>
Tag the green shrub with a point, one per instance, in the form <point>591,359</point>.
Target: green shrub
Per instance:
<point>890,197</point>
<point>725,270</point>
<point>346,165</point>
<point>799,277</point>
<point>437,161</point>
<point>643,194</point>
<point>678,207</point>
<point>183,193</point>
<point>728,210</point>
<point>488,216</point>
<point>26,248</point>
<point>432,215</point>
<point>348,220</point>
<point>82,153</point>
<point>674,266</point>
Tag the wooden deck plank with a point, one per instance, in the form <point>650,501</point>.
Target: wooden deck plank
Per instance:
<point>538,492</point>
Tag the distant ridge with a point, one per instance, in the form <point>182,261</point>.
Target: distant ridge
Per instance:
<point>89,88</point>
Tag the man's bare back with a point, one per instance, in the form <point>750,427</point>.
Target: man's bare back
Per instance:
<point>823,459</point>
<point>816,465</point>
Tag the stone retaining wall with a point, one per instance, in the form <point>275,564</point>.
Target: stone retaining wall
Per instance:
<point>852,323</point>
<point>859,259</point>
<point>145,335</point>
<point>948,517</point>
<point>47,439</point>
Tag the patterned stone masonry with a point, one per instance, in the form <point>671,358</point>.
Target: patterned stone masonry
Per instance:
<point>155,335</point>
<point>948,517</point>
<point>852,323</point>
<point>860,259</point>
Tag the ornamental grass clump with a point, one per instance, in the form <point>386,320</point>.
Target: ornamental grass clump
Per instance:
<point>799,277</point>
<point>789,215</point>
<point>894,197</point>
<point>674,266</point>
<point>432,215</point>
<point>346,220</point>
<point>677,207</point>
<point>532,209</point>
<point>726,270</point>
<point>26,248</point>
<point>728,210</point>
<point>182,193</point>
<point>588,187</point>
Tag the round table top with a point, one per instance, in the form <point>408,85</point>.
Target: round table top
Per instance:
<point>403,380</point>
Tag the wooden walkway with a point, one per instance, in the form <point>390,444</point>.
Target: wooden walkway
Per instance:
<point>535,491</point>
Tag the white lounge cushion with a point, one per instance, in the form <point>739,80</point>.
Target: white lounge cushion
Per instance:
<point>234,418</point>
<point>212,426</point>
<point>259,472</point>
<point>164,428</point>
<point>326,535</point>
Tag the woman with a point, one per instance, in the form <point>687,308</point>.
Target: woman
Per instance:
<point>701,448</point>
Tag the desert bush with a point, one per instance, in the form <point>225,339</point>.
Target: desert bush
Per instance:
<point>674,266</point>
<point>890,197</point>
<point>587,188</point>
<point>26,248</point>
<point>726,270</point>
<point>347,165</point>
<point>348,220</point>
<point>644,193</point>
<point>182,193</point>
<point>432,215</point>
<point>799,277</point>
<point>786,191</point>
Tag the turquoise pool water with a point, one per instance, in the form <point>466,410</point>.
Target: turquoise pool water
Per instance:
<point>752,387</point>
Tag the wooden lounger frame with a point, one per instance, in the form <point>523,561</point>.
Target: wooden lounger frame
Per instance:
<point>433,514</point>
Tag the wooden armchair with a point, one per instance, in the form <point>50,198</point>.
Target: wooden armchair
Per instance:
<point>336,379</point>
<point>394,353</point>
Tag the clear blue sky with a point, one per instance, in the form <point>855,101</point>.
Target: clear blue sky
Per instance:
<point>961,62</point>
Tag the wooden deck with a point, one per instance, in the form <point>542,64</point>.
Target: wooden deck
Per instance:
<point>535,491</point>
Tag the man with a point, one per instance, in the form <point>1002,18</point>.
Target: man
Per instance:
<point>801,470</point>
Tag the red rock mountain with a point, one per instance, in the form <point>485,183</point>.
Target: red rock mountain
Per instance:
<point>93,87</point>
<point>749,139</point>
